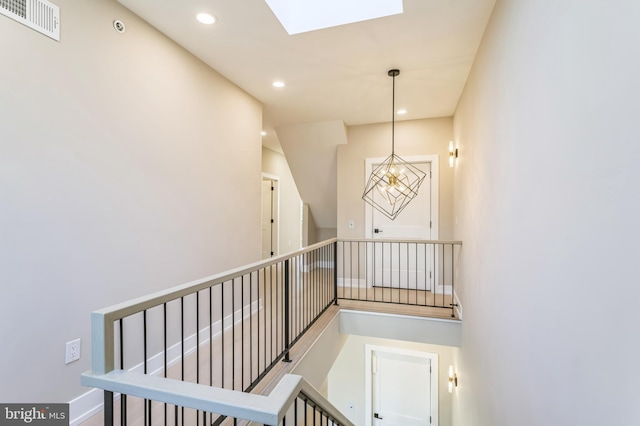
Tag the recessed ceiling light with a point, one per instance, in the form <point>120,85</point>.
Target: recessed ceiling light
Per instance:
<point>278,84</point>
<point>402,111</point>
<point>206,18</point>
<point>263,133</point>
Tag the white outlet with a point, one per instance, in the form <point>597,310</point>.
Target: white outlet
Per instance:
<point>72,351</point>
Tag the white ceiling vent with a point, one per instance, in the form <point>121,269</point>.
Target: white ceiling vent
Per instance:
<point>40,15</point>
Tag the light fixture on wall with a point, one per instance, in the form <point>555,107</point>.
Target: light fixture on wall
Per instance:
<point>453,379</point>
<point>453,154</point>
<point>393,183</point>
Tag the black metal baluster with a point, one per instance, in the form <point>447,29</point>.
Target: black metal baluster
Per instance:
<point>315,414</point>
<point>417,274</point>
<point>210,336</point>
<point>433,267</point>
<point>453,279</point>
<point>443,275</point>
<point>182,349</point>
<point>427,271</point>
<point>233,334</point>
<point>278,314</point>
<point>344,272</point>
<point>242,333</point>
<point>286,311</point>
<point>164,352</point>
<point>250,328</point>
<point>123,398</point>
<point>366,270</point>
<point>108,408</point>
<point>264,313</point>
<point>351,270</point>
<point>197,345</point>
<point>144,352</point>
<point>382,271</point>
<point>358,269</point>
<point>271,321</point>
<point>222,339</point>
<point>408,272</point>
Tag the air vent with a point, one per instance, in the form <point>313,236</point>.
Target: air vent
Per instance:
<point>40,15</point>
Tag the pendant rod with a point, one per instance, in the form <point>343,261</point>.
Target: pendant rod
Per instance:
<point>393,73</point>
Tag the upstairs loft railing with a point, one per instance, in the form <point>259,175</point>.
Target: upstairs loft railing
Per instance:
<point>409,272</point>
<point>189,354</point>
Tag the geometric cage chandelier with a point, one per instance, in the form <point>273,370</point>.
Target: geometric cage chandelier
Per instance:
<point>393,183</point>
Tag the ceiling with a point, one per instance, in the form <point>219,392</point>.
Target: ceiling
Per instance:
<point>338,73</point>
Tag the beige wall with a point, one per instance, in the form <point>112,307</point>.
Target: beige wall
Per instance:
<point>309,230</point>
<point>126,166</point>
<point>548,208</point>
<point>275,164</point>
<point>415,137</point>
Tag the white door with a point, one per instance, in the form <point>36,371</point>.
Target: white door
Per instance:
<point>405,265</point>
<point>269,218</point>
<point>401,389</point>
<point>414,222</point>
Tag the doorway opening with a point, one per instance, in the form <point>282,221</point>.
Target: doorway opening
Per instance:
<point>401,387</point>
<point>270,215</point>
<point>418,221</point>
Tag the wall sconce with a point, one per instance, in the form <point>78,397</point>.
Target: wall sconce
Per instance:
<point>453,154</point>
<point>453,379</point>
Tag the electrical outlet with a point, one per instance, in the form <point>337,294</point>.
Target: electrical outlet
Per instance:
<point>72,351</point>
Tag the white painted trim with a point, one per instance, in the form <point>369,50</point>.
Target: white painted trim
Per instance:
<point>256,408</point>
<point>459,307</point>
<point>359,283</point>
<point>411,317</point>
<point>440,289</point>
<point>435,185</point>
<point>90,403</point>
<point>277,179</point>
<point>368,380</point>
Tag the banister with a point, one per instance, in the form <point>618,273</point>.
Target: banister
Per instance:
<point>268,410</point>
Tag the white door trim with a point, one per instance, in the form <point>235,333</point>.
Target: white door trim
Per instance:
<point>267,176</point>
<point>368,379</point>
<point>433,159</point>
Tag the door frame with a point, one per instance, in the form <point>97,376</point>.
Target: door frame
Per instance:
<point>267,176</point>
<point>368,379</point>
<point>434,181</point>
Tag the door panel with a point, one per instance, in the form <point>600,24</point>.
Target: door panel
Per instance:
<point>401,390</point>
<point>404,265</point>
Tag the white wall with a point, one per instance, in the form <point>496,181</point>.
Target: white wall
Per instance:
<point>548,207</point>
<point>413,137</point>
<point>346,380</point>
<point>275,164</point>
<point>116,158</point>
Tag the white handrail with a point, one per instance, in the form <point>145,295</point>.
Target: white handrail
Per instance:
<point>268,410</point>
<point>102,320</point>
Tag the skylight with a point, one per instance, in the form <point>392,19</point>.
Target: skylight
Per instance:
<point>299,16</point>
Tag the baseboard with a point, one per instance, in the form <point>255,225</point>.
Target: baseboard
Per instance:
<point>91,403</point>
<point>456,300</point>
<point>85,406</point>
<point>352,282</point>
<point>443,289</point>
<point>320,264</point>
